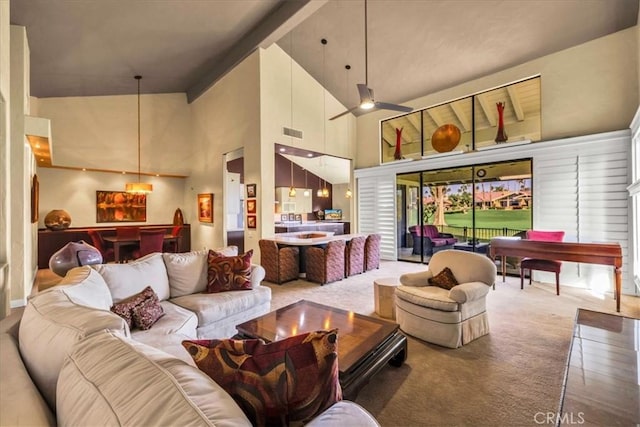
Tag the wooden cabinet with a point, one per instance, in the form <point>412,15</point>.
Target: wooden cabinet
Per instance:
<point>49,242</point>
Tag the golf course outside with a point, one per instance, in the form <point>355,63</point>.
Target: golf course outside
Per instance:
<point>489,222</point>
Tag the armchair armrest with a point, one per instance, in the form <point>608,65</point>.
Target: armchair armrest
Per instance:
<point>420,278</point>
<point>445,235</point>
<point>470,291</point>
<point>257,275</point>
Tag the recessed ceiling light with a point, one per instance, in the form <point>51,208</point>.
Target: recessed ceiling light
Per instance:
<point>124,173</point>
<point>157,174</point>
<point>310,155</point>
<point>282,150</point>
<point>84,169</point>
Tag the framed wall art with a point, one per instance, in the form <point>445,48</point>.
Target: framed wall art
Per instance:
<point>251,221</point>
<point>205,207</point>
<point>251,190</point>
<point>119,206</point>
<point>251,206</point>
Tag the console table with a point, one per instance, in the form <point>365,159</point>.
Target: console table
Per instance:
<point>590,253</point>
<point>601,384</point>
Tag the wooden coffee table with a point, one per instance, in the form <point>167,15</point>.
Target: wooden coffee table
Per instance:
<point>365,344</point>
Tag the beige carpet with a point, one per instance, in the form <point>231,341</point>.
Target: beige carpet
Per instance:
<point>502,379</point>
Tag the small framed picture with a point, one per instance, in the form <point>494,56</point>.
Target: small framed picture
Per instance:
<point>251,206</point>
<point>251,190</point>
<point>284,217</point>
<point>205,207</point>
<point>251,221</point>
<point>299,217</point>
<point>292,217</point>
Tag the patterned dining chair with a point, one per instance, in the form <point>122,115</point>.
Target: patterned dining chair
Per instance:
<point>280,264</point>
<point>354,256</point>
<point>372,252</point>
<point>542,264</point>
<point>325,265</point>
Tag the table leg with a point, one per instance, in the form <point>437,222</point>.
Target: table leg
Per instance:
<point>618,292</point>
<point>116,251</point>
<point>503,265</point>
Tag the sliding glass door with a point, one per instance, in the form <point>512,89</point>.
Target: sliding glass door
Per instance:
<point>461,208</point>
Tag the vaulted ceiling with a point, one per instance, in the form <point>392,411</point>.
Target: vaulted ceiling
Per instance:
<point>415,47</point>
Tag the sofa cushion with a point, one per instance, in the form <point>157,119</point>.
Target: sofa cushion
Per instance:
<point>344,413</point>
<point>427,296</point>
<point>126,307</point>
<point>51,325</point>
<point>445,279</point>
<point>138,385</point>
<point>125,280</point>
<point>187,272</point>
<point>438,241</point>
<point>94,291</point>
<point>286,381</point>
<point>228,273</point>
<point>212,308</point>
<point>176,320</point>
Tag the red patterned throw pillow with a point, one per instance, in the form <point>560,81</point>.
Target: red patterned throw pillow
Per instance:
<point>228,273</point>
<point>146,314</point>
<point>279,383</point>
<point>445,279</point>
<point>141,303</point>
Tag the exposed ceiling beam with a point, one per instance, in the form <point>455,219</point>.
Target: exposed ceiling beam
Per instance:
<point>268,31</point>
<point>413,120</point>
<point>462,117</point>
<point>435,116</point>
<point>515,101</point>
<point>486,108</point>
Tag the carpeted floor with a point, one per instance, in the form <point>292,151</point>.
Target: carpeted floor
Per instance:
<point>502,379</point>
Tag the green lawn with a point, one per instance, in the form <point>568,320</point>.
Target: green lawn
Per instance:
<point>496,218</point>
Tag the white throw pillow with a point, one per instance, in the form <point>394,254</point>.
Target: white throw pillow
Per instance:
<point>187,272</point>
<point>131,278</point>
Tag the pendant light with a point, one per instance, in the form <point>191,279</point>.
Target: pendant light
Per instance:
<point>319,192</point>
<point>347,67</point>
<point>292,190</point>
<point>325,190</point>
<point>306,193</point>
<point>138,187</point>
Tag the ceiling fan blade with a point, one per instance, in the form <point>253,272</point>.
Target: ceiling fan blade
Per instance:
<point>365,93</point>
<point>394,107</point>
<point>345,112</point>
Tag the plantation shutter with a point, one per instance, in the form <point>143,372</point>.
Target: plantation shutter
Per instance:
<point>377,213</point>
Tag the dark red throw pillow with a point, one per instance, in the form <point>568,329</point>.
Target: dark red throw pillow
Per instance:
<point>228,273</point>
<point>125,307</point>
<point>445,279</point>
<point>146,314</point>
<point>286,381</point>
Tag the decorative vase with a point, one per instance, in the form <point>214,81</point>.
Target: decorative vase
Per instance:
<point>501,135</point>
<point>398,155</point>
<point>57,219</point>
<point>178,219</point>
<point>445,138</point>
<point>74,254</point>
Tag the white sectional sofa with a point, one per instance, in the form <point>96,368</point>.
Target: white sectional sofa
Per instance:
<point>68,360</point>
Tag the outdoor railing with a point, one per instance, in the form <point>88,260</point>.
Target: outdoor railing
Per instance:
<point>482,234</point>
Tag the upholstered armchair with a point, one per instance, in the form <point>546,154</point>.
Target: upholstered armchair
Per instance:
<point>325,265</point>
<point>430,239</point>
<point>100,244</point>
<point>450,318</point>
<point>354,256</point>
<point>280,264</point>
<point>372,252</point>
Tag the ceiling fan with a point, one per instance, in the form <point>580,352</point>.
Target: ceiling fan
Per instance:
<point>367,100</point>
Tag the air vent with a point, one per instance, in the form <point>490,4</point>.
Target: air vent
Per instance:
<point>292,132</point>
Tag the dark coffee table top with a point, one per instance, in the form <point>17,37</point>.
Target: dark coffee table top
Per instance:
<point>358,335</point>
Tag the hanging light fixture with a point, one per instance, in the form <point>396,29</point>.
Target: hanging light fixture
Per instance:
<point>138,187</point>
<point>292,190</point>
<point>325,190</point>
<point>347,67</point>
<point>306,193</point>
<point>319,192</point>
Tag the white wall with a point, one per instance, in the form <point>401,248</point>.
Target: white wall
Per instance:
<point>75,192</point>
<point>5,153</point>
<point>586,89</point>
<point>101,132</point>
